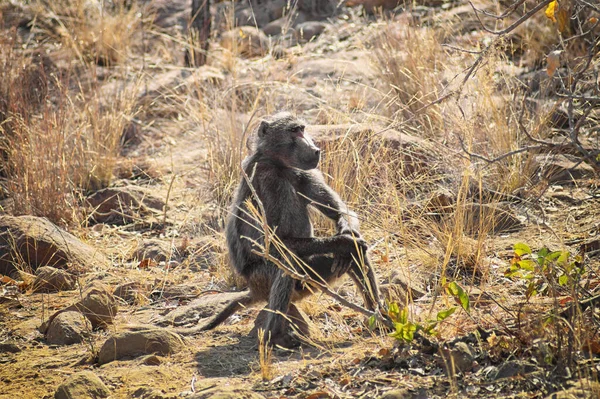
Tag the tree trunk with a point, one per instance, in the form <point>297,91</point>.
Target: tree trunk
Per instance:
<point>199,33</point>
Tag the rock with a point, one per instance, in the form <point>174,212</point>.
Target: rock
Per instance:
<point>123,205</point>
<point>68,328</point>
<point>131,344</point>
<point>82,385</point>
<point>156,250</point>
<point>183,291</point>
<point>50,279</point>
<point>150,393</point>
<point>397,394</point>
<point>200,308</point>
<point>307,31</point>
<point>97,305</point>
<point>41,243</point>
<point>582,388</point>
<point>247,41</point>
<point>561,169</point>
<point>9,347</point>
<point>511,369</point>
<point>221,393</point>
<point>495,218</point>
<point>151,360</point>
<point>130,292</point>
<point>458,359</point>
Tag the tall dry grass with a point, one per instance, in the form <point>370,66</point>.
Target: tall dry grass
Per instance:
<point>57,142</point>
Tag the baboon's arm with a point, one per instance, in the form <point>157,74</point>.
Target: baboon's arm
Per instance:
<point>329,203</point>
<point>317,246</point>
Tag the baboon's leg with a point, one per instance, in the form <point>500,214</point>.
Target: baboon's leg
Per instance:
<point>279,300</point>
<point>331,268</point>
<point>230,309</point>
<point>297,320</point>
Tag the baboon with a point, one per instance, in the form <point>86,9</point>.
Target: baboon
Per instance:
<point>284,175</point>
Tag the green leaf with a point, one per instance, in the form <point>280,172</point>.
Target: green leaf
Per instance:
<point>403,316</point>
<point>527,264</point>
<point>563,280</point>
<point>444,314</point>
<point>459,295</point>
<point>563,258</point>
<point>404,331</point>
<point>521,249</point>
<point>372,322</point>
<point>394,311</point>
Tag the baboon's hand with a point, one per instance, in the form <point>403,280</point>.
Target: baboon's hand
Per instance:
<point>351,244</point>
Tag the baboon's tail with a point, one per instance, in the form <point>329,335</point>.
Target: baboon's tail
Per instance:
<point>230,309</point>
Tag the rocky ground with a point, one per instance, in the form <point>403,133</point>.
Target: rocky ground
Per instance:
<point>90,308</point>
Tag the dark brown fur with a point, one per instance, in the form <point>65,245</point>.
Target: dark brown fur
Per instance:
<point>285,178</point>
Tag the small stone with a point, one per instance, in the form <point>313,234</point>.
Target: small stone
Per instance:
<point>9,347</point>
<point>220,393</point>
<point>50,279</point>
<point>247,41</point>
<point>130,292</point>
<point>307,31</point>
<point>151,360</point>
<point>82,385</point>
<point>156,250</point>
<point>131,344</point>
<point>98,305</point>
<point>397,394</point>
<point>460,358</point>
<point>68,328</point>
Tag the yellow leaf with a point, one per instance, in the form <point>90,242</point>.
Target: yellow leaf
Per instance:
<point>551,10</point>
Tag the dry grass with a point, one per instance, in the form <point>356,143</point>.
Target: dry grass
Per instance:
<point>62,136</point>
<point>58,145</point>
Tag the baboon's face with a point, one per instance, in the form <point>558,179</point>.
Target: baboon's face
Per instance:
<point>284,139</point>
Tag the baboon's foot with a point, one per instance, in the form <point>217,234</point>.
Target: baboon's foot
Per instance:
<point>285,340</point>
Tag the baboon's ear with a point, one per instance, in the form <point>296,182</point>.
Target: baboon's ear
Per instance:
<point>262,129</point>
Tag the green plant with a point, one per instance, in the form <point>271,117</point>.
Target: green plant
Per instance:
<point>405,329</point>
<point>544,268</point>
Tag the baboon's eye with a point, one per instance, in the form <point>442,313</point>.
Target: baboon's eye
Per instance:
<point>298,130</point>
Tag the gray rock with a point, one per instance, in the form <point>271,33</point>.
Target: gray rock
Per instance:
<point>123,205</point>
<point>130,292</point>
<point>41,243</point>
<point>460,358</point>
<point>50,279</point>
<point>511,369</point>
<point>131,344</point>
<point>82,385</point>
<point>155,249</point>
<point>68,328</point>
<point>200,308</point>
<point>397,394</point>
<point>9,347</point>
<point>307,31</point>
<point>97,304</point>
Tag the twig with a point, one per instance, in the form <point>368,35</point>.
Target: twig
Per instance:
<point>305,279</point>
